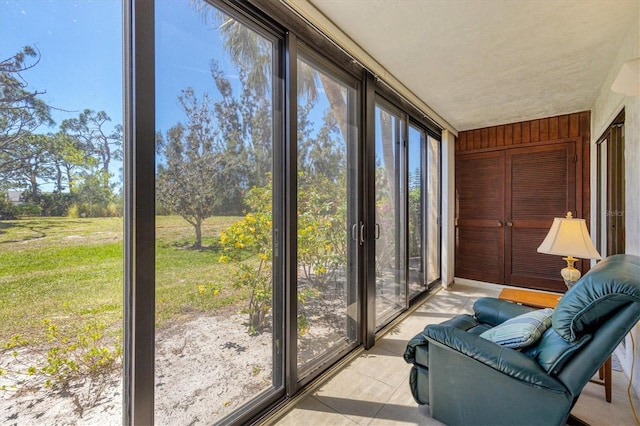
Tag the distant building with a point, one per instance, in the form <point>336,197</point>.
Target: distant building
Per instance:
<point>14,197</point>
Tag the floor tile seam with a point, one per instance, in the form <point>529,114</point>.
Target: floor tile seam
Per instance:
<point>359,373</point>
<point>378,380</point>
<point>370,418</point>
<point>332,409</point>
<point>381,348</point>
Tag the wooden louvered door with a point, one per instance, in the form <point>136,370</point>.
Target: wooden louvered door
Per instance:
<point>505,203</point>
<point>480,187</point>
<point>541,185</point>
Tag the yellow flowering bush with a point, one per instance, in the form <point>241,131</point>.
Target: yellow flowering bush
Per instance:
<point>322,242</point>
<point>248,244</point>
<point>322,233</point>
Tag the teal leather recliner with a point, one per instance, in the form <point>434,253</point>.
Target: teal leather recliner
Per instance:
<point>468,380</point>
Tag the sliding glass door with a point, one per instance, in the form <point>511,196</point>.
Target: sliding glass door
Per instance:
<point>391,225</point>
<point>327,267</point>
<point>249,221</point>
<point>416,213</point>
<point>218,298</point>
<point>407,208</point>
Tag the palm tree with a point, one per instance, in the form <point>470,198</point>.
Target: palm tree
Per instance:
<point>252,52</point>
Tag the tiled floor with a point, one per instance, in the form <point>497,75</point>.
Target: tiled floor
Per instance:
<point>373,389</point>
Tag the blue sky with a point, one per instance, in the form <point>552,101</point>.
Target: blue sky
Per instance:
<point>81,52</point>
<point>81,47</point>
<point>80,42</point>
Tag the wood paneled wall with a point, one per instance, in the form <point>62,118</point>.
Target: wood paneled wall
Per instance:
<point>548,129</point>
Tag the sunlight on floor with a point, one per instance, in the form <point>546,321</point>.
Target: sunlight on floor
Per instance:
<point>374,388</point>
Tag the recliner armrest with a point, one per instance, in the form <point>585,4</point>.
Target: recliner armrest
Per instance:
<point>410,351</point>
<point>505,360</point>
<point>463,322</point>
<point>492,311</point>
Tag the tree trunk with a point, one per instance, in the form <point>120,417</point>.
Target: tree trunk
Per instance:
<point>69,177</point>
<point>338,104</point>
<point>387,153</point>
<point>34,186</point>
<point>58,178</point>
<point>106,162</point>
<point>198,227</point>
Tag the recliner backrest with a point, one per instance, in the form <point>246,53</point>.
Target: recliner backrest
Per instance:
<point>551,352</point>
<point>607,287</point>
<point>606,290</point>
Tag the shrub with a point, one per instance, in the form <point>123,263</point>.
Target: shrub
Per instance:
<point>77,210</point>
<point>28,209</point>
<point>82,356</point>
<point>7,210</point>
<point>322,245</point>
<point>322,240</point>
<point>73,212</point>
<point>248,244</point>
<point>56,203</point>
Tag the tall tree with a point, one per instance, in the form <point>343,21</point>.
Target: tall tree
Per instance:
<point>252,52</point>
<point>189,182</point>
<point>247,49</point>
<point>33,166</point>
<point>91,129</point>
<point>322,155</point>
<point>21,110</point>
<point>67,157</point>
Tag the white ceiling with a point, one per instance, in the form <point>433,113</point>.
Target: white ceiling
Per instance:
<point>481,63</point>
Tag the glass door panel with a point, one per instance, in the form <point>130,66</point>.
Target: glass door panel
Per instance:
<point>326,195</point>
<point>216,325</point>
<point>432,210</point>
<point>416,217</point>
<point>391,224</point>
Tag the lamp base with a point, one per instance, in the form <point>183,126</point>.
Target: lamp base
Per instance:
<point>570,274</point>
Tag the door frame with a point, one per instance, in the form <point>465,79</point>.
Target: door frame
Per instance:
<point>610,189</point>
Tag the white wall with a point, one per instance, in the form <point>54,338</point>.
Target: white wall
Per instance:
<point>605,108</point>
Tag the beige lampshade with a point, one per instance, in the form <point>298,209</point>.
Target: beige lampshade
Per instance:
<point>628,80</point>
<point>569,237</point>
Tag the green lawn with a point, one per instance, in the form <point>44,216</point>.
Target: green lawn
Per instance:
<point>70,269</point>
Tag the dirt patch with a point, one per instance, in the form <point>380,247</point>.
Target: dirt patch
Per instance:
<point>205,368</point>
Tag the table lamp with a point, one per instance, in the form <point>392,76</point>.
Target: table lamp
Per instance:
<point>569,237</point>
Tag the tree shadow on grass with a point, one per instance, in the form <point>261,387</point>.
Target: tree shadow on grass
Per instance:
<point>39,230</point>
<point>4,226</point>
<point>188,245</point>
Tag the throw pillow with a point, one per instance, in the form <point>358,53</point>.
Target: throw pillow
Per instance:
<point>520,331</point>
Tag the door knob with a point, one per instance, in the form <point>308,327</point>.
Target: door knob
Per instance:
<point>499,224</point>
<point>509,223</point>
